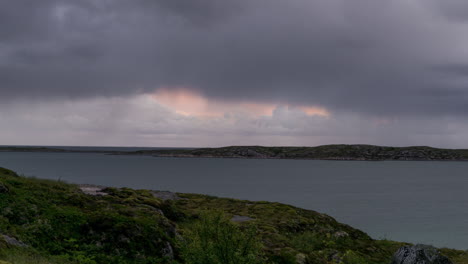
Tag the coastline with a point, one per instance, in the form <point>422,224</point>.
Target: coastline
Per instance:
<point>326,152</point>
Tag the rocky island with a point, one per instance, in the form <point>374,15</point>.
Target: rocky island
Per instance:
<point>325,152</point>
<point>45,221</point>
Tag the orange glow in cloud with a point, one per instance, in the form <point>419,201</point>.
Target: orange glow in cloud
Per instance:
<point>315,111</point>
<point>188,103</point>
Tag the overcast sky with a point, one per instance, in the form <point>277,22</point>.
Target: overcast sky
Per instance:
<point>215,73</point>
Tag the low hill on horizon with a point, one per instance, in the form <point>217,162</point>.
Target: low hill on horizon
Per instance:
<point>324,152</point>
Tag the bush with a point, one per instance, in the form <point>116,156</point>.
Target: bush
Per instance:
<point>214,239</point>
<point>351,257</point>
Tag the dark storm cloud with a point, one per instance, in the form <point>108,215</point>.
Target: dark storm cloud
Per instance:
<point>456,10</point>
<point>201,12</point>
<point>374,57</point>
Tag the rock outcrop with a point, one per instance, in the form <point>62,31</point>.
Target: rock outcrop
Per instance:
<point>94,190</point>
<point>13,241</point>
<point>241,218</point>
<point>419,254</point>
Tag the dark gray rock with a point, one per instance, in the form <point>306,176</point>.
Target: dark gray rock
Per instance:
<point>167,251</point>
<point>241,218</point>
<point>419,254</point>
<point>165,195</point>
<point>3,188</point>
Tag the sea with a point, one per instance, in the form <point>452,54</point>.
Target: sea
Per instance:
<point>413,201</point>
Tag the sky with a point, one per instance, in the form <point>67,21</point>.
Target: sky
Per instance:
<point>198,73</point>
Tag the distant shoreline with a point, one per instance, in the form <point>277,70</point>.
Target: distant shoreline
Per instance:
<point>325,152</point>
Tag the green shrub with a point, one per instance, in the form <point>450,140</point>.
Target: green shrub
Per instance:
<point>214,239</point>
<point>309,241</point>
<point>351,257</point>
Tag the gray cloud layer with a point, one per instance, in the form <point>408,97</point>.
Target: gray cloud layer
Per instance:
<point>141,121</point>
<point>387,58</point>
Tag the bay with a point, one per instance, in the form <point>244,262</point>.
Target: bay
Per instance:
<point>412,201</point>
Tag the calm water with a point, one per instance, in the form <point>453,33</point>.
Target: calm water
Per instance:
<point>420,202</point>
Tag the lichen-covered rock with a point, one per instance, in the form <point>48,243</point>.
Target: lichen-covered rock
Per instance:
<point>241,218</point>
<point>13,241</point>
<point>94,190</point>
<point>419,254</point>
<point>340,234</point>
<point>301,259</point>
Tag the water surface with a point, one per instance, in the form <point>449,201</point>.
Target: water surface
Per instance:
<point>414,201</point>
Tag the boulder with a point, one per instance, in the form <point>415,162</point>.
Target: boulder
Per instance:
<point>419,254</point>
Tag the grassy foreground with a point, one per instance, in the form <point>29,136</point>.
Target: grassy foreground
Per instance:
<point>56,222</point>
